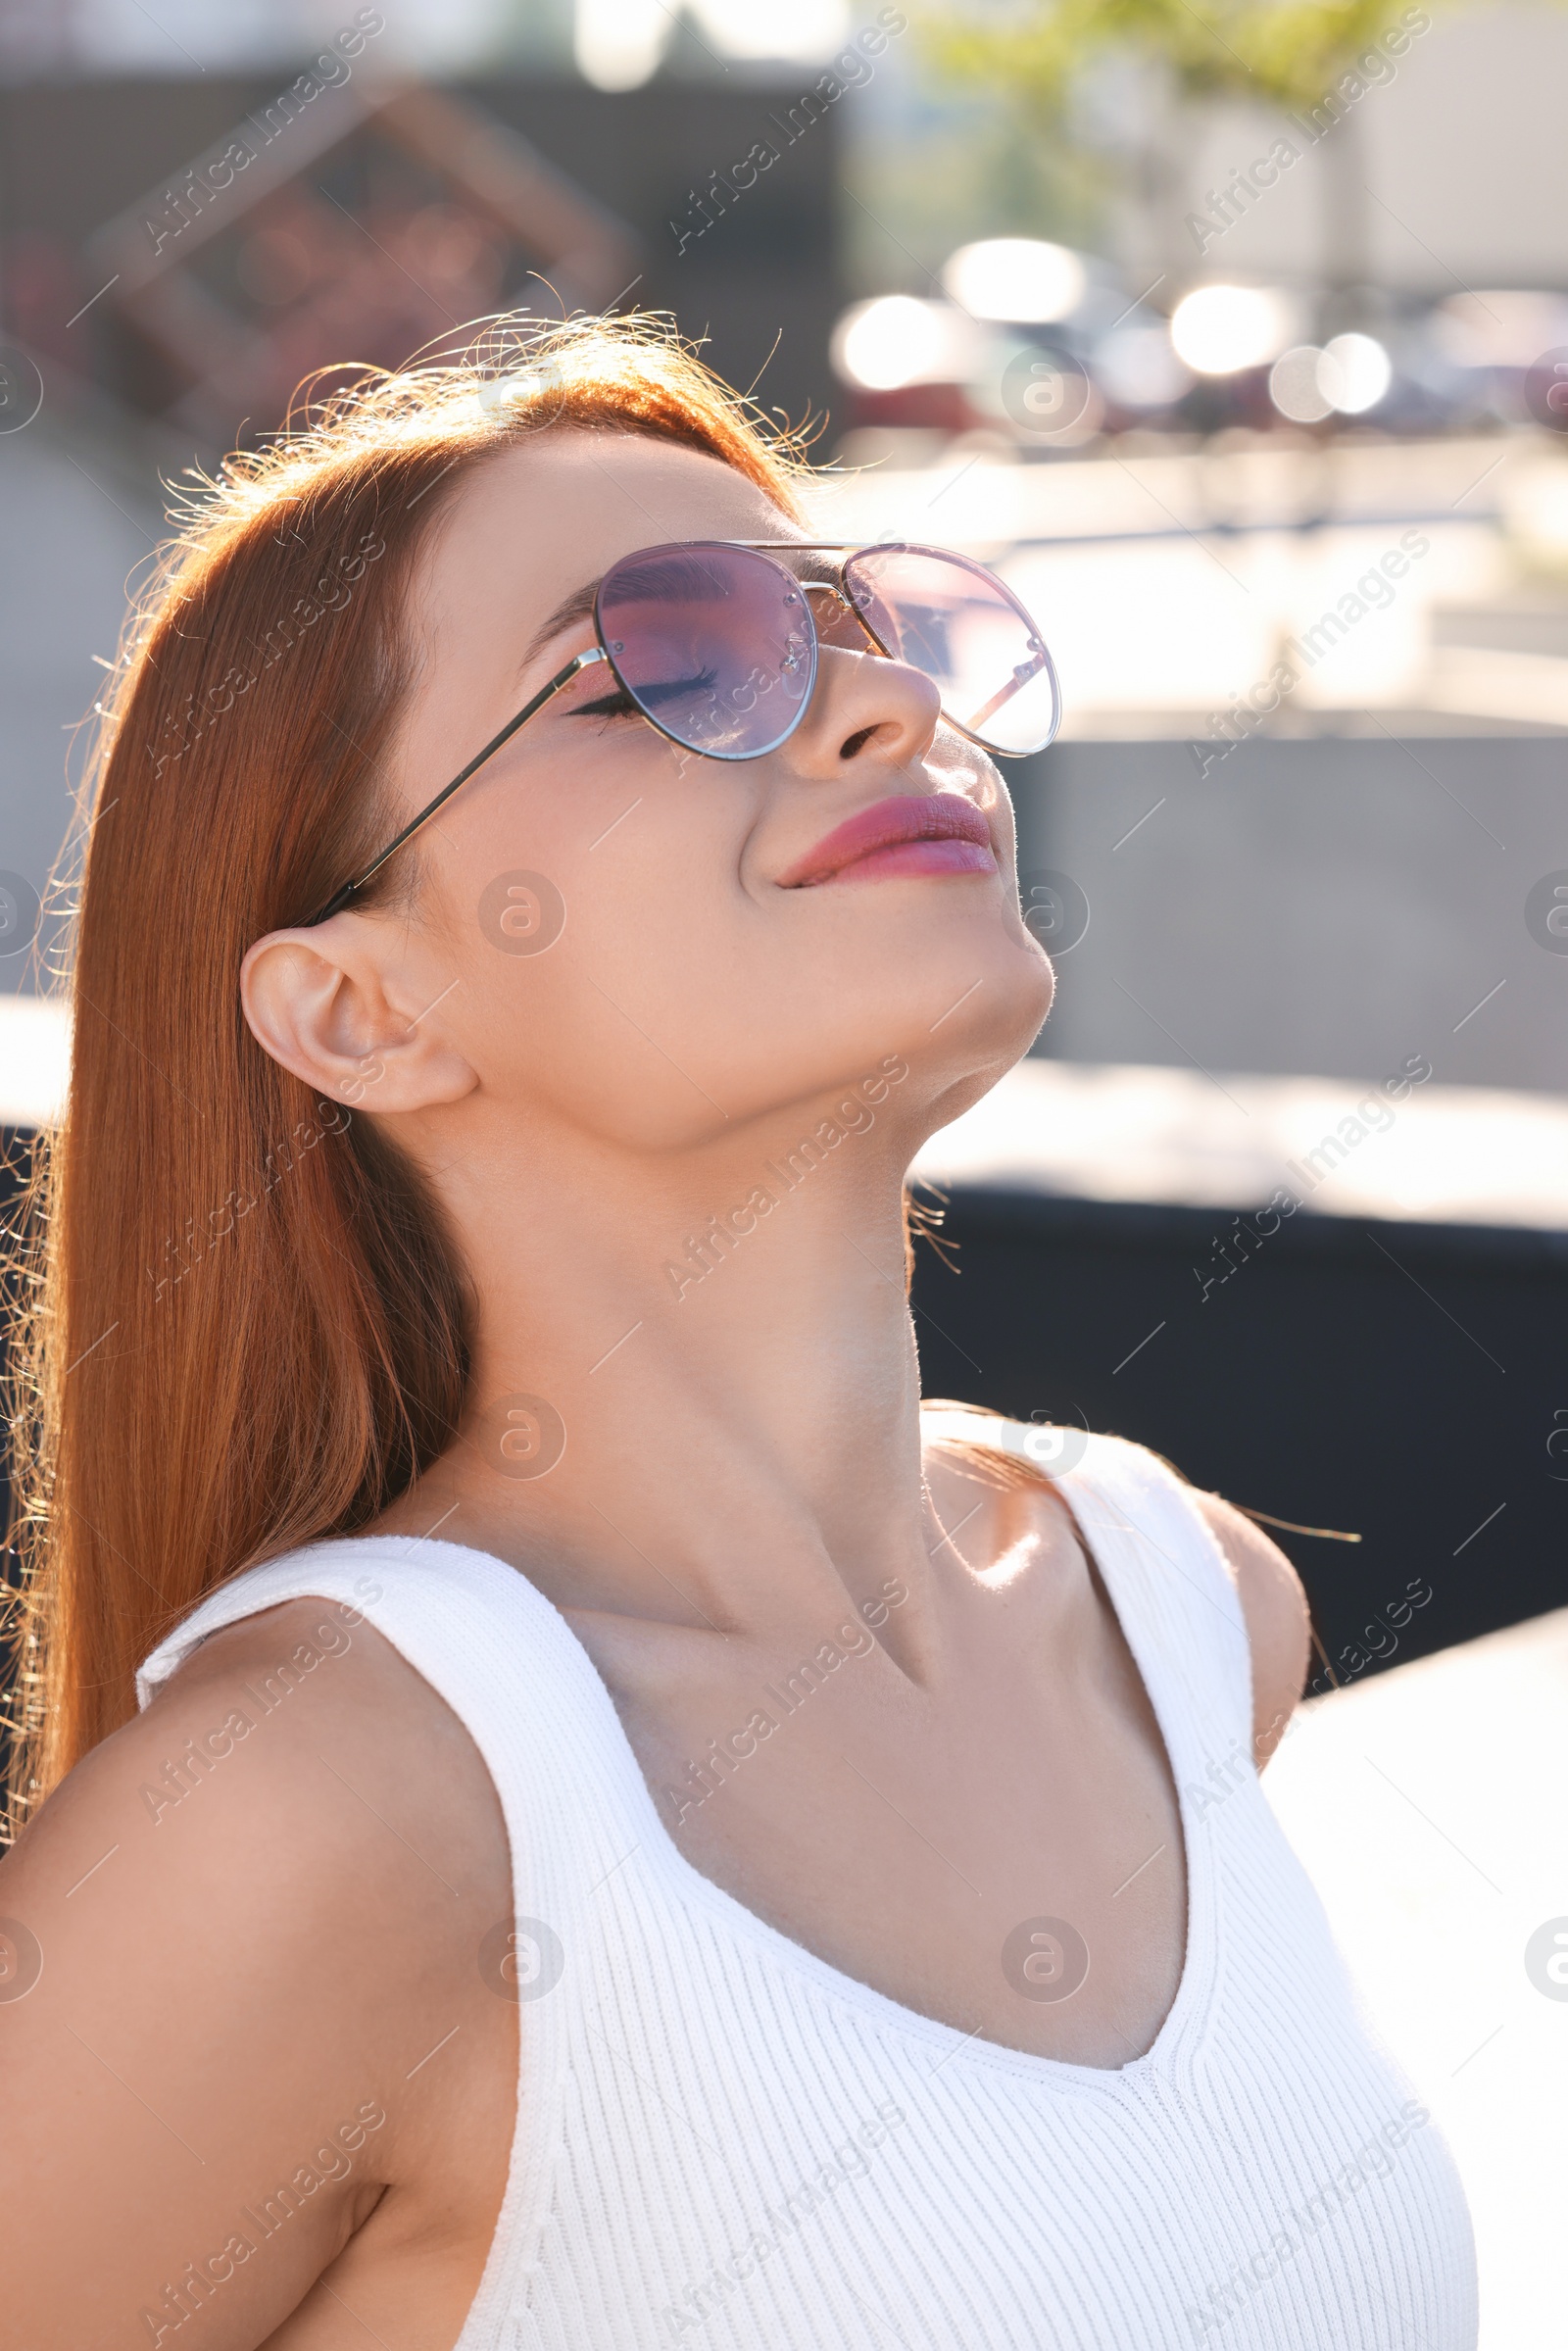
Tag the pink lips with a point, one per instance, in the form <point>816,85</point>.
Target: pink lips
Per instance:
<point>913,833</point>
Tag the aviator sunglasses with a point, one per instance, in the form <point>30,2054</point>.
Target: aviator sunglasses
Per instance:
<point>716,643</point>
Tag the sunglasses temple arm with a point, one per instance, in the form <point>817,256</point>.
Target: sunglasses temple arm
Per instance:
<point>563,677</point>
<point>1014,685</point>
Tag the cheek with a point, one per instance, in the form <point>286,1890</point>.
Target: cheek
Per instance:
<point>606,949</point>
<point>571,847</point>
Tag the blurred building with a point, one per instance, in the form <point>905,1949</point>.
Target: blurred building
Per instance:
<point>176,254</point>
<point>227,233</point>
<point>1455,146</point>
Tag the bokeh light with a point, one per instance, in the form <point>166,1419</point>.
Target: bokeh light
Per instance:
<point>1218,330</point>
<point>1296,385</point>
<point>1021,280</point>
<point>1353,373</point>
<point>895,340</point>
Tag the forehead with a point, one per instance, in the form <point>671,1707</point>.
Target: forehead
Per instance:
<point>537,520</point>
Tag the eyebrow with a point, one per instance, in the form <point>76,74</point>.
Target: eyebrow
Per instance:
<point>578,606</point>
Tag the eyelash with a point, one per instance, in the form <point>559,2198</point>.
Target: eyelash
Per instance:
<point>619,704</point>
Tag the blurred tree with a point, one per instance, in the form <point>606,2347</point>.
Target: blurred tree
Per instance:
<point>1284,53</point>
<point>1040,57</point>
<point>929,172</point>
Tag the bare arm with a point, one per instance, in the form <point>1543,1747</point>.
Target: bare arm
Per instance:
<point>216,2079</point>
<point>1274,1606</point>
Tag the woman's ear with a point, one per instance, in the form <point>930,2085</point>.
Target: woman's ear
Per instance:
<point>323,1003</point>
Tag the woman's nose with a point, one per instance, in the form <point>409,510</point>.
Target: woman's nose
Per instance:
<point>864,704</point>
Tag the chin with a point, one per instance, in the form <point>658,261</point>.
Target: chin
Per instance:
<point>1000,1017</point>
<point>987,1035</point>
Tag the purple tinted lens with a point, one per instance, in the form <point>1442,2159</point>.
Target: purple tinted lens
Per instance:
<point>956,621</point>
<point>713,644</point>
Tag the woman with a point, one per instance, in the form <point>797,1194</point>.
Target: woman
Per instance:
<point>618,1846</point>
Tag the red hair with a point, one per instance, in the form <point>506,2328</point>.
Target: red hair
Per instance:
<point>243,1323</point>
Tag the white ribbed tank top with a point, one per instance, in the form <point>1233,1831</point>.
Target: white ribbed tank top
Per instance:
<point>724,2142</point>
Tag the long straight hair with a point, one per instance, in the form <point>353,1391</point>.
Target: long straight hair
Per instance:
<point>241,1323</point>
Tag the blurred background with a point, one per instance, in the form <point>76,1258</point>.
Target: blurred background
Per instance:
<point>1236,336</point>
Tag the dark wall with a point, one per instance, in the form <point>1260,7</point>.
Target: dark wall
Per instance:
<point>1400,1382</point>
<point>1397,1381</point>
<point>765,268</point>
<point>73,155</point>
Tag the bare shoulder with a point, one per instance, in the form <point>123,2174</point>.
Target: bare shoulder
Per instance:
<point>234,1936</point>
<point>1274,1606</point>
<point>980,1500</point>
<point>972,1488</point>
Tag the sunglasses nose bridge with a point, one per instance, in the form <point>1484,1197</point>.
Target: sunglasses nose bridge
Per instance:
<point>866,640</point>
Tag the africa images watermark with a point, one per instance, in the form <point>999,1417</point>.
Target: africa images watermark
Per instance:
<point>1374,591</point>
<point>199,188</point>
<point>188,2295</point>
<point>1373,2161</point>
<point>850,2162</point>
<point>184,1774</point>
<point>333,592</point>
<point>1242,190</point>
<point>851,70</point>
<point>1372,1116</point>
<point>184,1251</point>
<point>1242,1764</point>
<point>724,1756</point>
<point>707,1251</point>
<point>1380,1636</point>
<point>1239,1768</point>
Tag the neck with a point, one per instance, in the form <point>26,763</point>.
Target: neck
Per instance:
<point>722,1346</point>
